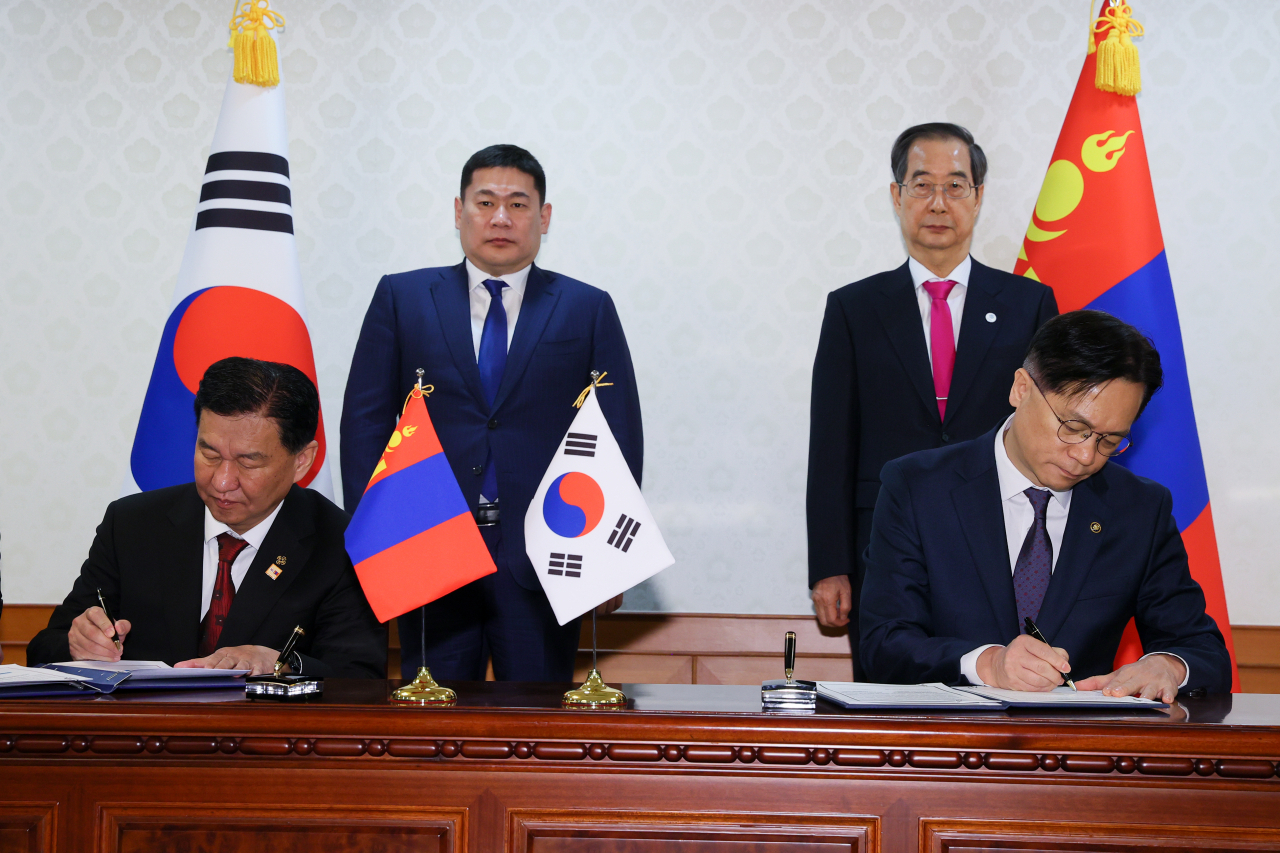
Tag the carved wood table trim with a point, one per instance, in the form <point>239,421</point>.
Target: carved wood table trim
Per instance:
<point>510,770</point>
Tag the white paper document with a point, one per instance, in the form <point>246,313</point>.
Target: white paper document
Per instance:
<point>153,670</point>
<point>1063,697</point>
<point>858,694</point>
<point>12,674</point>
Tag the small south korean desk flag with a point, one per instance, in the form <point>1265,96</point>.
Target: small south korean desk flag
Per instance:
<point>588,531</point>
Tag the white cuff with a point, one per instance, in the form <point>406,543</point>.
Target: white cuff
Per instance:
<point>1185,668</point>
<point>969,664</point>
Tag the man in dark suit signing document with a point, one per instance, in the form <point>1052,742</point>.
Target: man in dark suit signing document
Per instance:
<point>909,359</point>
<point>218,573</point>
<point>1029,520</point>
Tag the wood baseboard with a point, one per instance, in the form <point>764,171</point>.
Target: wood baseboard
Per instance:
<point>709,648</point>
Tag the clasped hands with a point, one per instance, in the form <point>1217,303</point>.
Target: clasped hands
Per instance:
<point>1028,664</point>
<point>90,639</point>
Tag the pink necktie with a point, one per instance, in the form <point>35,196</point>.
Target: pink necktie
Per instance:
<point>942,340</point>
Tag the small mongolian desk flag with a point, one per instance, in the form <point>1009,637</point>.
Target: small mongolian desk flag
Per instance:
<point>413,538</point>
<point>1095,239</point>
<point>588,531</point>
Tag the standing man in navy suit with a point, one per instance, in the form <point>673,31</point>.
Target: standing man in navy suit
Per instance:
<point>508,347</point>
<point>1030,521</point>
<point>914,358</point>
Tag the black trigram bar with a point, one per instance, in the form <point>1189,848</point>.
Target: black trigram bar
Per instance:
<point>254,190</point>
<point>568,565</point>
<point>580,444</point>
<point>247,161</point>
<point>624,533</point>
<point>256,220</point>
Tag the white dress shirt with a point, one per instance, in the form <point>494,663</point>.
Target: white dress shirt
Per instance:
<point>955,300</point>
<point>512,297</point>
<point>1019,515</point>
<point>240,568</point>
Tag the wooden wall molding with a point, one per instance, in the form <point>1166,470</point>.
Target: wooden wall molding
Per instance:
<point>532,829</point>
<point>632,754</point>
<point>988,836</point>
<point>710,648</point>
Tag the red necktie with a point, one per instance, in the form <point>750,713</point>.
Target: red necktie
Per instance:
<point>224,589</point>
<point>942,340</point>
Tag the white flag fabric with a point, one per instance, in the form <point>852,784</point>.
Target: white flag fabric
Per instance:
<point>239,289</point>
<point>588,531</point>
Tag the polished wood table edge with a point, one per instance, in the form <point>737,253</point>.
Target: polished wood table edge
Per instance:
<point>1158,751</point>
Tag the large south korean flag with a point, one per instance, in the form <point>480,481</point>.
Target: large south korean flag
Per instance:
<point>588,531</point>
<point>239,289</point>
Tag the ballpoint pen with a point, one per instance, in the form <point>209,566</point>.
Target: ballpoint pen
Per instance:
<point>1035,632</point>
<point>115,637</point>
<point>283,660</point>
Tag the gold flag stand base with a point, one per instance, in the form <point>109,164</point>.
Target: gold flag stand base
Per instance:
<point>423,690</point>
<point>594,693</point>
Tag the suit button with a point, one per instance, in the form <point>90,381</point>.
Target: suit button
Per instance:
<point>493,423</point>
<point>946,437</point>
<point>478,470</point>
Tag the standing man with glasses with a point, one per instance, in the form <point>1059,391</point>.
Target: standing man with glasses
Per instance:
<point>915,358</point>
<point>508,346</point>
<point>969,541</point>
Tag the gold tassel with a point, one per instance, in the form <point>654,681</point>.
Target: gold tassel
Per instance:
<point>1118,69</point>
<point>254,48</point>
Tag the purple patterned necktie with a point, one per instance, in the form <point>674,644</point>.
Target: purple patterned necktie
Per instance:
<point>1035,561</point>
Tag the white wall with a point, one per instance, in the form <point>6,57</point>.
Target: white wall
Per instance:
<point>717,167</point>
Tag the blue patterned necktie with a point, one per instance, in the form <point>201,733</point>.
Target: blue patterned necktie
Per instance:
<point>492,361</point>
<point>1035,560</point>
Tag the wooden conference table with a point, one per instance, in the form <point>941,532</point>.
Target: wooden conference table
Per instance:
<point>690,768</point>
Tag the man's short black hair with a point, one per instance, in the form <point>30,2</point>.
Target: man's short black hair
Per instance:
<point>247,386</point>
<point>937,130</point>
<point>505,157</point>
<point>1079,350</point>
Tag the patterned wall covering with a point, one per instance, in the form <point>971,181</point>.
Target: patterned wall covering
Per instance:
<point>719,167</point>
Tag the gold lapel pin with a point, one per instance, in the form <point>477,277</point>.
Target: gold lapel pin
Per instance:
<point>273,572</point>
<point>281,560</point>
<point>1095,527</point>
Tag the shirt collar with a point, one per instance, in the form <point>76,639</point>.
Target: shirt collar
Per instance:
<point>1012,481</point>
<point>920,273</point>
<point>254,536</point>
<point>476,277</point>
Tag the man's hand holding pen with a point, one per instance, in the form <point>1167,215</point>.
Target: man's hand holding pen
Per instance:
<point>1024,664</point>
<point>93,636</point>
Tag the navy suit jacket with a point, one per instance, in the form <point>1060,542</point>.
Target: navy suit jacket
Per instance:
<point>873,397</point>
<point>939,583</point>
<point>148,558</point>
<point>565,330</point>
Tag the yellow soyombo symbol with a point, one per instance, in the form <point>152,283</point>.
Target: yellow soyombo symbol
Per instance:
<point>1063,188</point>
<point>1100,154</point>
<point>396,438</point>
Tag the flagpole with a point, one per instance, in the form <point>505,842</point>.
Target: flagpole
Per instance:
<point>593,639</point>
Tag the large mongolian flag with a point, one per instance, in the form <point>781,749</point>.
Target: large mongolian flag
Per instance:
<point>1095,237</point>
<point>413,538</point>
<point>239,289</point>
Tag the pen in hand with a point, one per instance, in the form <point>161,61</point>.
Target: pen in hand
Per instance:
<point>1035,633</point>
<point>115,637</point>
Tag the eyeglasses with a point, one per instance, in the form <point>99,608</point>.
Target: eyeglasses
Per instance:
<point>954,188</point>
<point>1078,432</point>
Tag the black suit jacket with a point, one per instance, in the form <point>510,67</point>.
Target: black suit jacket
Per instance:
<point>147,558</point>
<point>939,583</point>
<point>873,397</point>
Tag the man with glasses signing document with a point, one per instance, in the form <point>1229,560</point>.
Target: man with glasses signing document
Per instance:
<point>1029,520</point>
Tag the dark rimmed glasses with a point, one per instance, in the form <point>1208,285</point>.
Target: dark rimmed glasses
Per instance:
<point>1078,432</point>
